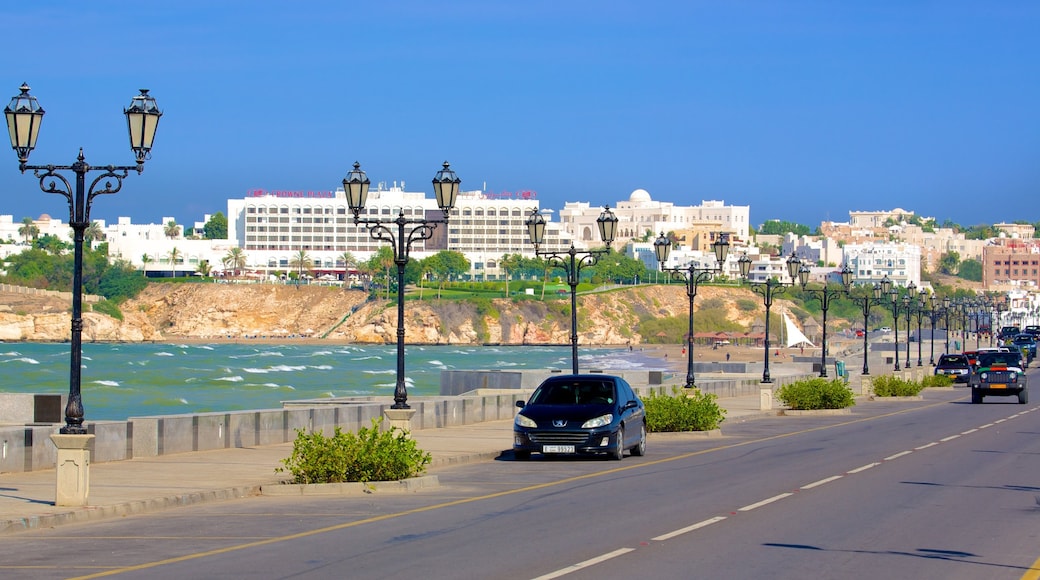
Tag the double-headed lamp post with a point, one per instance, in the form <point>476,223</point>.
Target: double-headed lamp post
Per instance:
<point>692,276</point>
<point>573,261</point>
<point>824,295</point>
<point>908,305</point>
<point>947,306</point>
<point>409,231</point>
<point>767,289</point>
<point>874,297</point>
<point>24,116</point>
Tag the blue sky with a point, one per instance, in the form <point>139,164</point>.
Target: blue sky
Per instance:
<point>803,110</point>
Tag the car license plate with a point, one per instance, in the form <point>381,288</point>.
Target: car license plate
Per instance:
<point>997,386</point>
<point>557,449</point>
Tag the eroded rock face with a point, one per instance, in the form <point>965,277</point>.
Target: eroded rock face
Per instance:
<point>220,311</point>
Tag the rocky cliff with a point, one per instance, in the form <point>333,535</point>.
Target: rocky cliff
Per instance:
<point>169,312</point>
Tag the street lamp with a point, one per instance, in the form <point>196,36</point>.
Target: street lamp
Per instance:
<point>824,295</point>
<point>946,307</point>
<point>573,261</point>
<point>767,289</point>
<point>875,297</point>
<point>908,298</point>
<point>446,189</point>
<point>894,295</point>
<point>919,315</point>
<point>24,116</point>
<point>691,276</point>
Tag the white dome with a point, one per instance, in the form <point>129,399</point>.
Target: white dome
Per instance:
<point>639,195</point>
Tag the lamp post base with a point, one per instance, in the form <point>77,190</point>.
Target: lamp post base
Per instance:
<point>400,418</point>
<point>73,469</point>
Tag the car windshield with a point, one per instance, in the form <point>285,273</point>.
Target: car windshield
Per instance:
<point>583,392</point>
<point>1011,359</point>
<point>953,360</point>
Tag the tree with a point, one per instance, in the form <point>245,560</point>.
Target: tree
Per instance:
<point>204,268</point>
<point>93,233</point>
<point>301,261</point>
<point>216,227</point>
<point>970,270</point>
<point>349,262</point>
<point>447,265</point>
<point>509,264</point>
<point>145,260</point>
<point>781,227</point>
<point>28,229</point>
<point>949,262</point>
<point>175,257</point>
<point>171,229</point>
<point>234,260</point>
<point>51,243</point>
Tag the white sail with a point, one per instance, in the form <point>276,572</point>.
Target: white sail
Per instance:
<point>794,336</point>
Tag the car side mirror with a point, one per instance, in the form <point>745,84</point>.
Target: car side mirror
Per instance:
<point>520,404</point>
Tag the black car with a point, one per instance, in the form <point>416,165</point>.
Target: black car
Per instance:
<point>581,414</point>
<point>998,374</point>
<point>955,366</point>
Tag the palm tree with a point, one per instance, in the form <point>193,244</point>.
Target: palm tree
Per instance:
<point>29,231</point>
<point>348,260</point>
<point>301,261</point>
<point>509,263</point>
<point>172,230</point>
<point>234,260</point>
<point>204,268</point>
<point>93,233</point>
<point>175,256</point>
<point>145,260</point>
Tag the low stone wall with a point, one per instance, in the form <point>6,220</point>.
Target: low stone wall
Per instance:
<point>10,288</point>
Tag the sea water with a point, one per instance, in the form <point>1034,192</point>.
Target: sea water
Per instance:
<point>121,380</point>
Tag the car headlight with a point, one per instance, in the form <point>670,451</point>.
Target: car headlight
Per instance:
<point>522,421</point>
<point>598,421</point>
<point>1014,377</point>
<point>982,376</point>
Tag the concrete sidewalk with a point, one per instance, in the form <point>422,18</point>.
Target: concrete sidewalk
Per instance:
<point>120,488</point>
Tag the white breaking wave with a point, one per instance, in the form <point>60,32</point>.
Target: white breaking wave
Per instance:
<point>107,383</point>
<point>233,379</point>
<point>24,359</point>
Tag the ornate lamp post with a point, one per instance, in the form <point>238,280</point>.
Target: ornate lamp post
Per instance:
<point>24,116</point>
<point>908,304</point>
<point>573,261</point>
<point>876,297</point>
<point>919,312</point>
<point>767,289</point>
<point>692,276</point>
<point>946,308</point>
<point>824,295</point>
<point>409,231</point>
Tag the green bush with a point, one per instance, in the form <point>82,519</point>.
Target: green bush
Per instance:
<point>893,386</point>
<point>683,411</point>
<point>368,455</point>
<point>817,393</point>
<point>937,381</point>
<point>109,307</point>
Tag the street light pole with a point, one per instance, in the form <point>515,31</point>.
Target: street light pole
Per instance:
<point>946,307</point>
<point>409,231</point>
<point>875,297</point>
<point>573,261</point>
<point>824,295</point>
<point>767,289</point>
<point>919,314</point>
<point>692,276</point>
<point>24,116</point>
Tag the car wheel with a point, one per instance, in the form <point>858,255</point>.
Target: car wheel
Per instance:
<point>640,450</point>
<point>619,449</point>
<point>976,397</point>
<point>1023,397</point>
<point>521,455</point>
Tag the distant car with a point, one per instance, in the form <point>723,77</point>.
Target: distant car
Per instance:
<point>1007,333</point>
<point>885,329</point>
<point>581,414</point>
<point>1032,329</point>
<point>1027,344</point>
<point>955,366</point>
<point>998,374</point>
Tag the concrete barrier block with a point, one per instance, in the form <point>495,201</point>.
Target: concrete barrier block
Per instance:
<point>176,434</point>
<point>271,427</point>
<point>111,441</point>
<point>211,431</point>
<point>145,442</point>
<point>242,427</point>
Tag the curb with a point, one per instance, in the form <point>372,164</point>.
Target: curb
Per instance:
<point>350,487</point>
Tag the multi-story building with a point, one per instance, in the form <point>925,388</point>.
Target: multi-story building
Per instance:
<point>870,263</point>
<point>1009,263</point>
<point>642,218</point>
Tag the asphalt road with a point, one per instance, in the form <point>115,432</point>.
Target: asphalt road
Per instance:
<point>937,488</point>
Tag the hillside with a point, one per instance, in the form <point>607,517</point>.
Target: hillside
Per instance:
<point>170,312</point>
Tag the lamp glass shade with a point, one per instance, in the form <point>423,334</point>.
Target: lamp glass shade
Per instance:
<point>607,223</point>
<point>846,276</point>
<point>878,292</point>
<point>24,116</point>
<point>793,264</point>
<point>142,119</point>
<point>886,285</point>
<point>662,248</point>
<point>803,275</point>
<point>536,227</point>
<point>446,188</point>
<point>356,185</point>
<point>721,247</point>
<point>745,265</point>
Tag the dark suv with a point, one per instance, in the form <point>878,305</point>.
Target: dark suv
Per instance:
<point>955,366</point>
<point>998,374</point>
